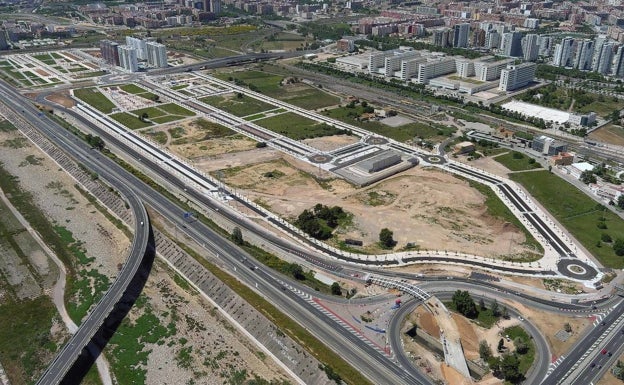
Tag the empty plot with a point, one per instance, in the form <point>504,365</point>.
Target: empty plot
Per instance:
<point>239,106</point>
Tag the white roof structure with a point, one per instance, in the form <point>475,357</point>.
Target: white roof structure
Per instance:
<point>583,166</point>
<point>528,109</point>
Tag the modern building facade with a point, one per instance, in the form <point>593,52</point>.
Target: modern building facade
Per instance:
<point>109,52</point>
<point>529,47</point>
<point>460,35</point>
<point>563,53</point>
<point>156,55</point>
<point>139,45</point>
<point>128,58</point>
<point>516,76</point>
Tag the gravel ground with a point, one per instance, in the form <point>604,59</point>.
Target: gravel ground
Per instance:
<point>197,326</point>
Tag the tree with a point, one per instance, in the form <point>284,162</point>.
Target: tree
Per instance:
<point>618,247</point>
<point>335,289</point>
<point>620,201</point>
<point>501,345</point>
<point>606,238</point>
<point>465,304</point>
<point>505,313</point>
<point>495,308</point>
<point>509,368</point>
<point>485,352</point>
<point>143,116</point>
<point>521,346</point>
<point>386,238</point>
<point>481,304</point>
<point>587,177</point>
<point>237,236</point>
<point>296,271</point>
<point>567,327</point>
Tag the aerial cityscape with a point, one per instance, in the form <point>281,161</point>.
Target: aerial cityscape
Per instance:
<point>258,192</point>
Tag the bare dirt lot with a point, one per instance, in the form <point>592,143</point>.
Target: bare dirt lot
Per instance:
<point>62,98</point>
<point>330,143</point>
<point>192,141</point>
<point>609,134</point>
<point>201,344</point>
<point>430,208</point>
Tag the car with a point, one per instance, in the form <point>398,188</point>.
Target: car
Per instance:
<point>610,354</point>
<point>603,351</point>
<point>593,365</point>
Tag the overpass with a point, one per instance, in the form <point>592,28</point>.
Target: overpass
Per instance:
<point>21,115</point>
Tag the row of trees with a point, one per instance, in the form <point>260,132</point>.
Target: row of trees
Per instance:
<point>462,302</point>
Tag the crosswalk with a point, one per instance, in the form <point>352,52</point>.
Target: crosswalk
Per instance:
<point>334,317</point>
<point>553,365</point>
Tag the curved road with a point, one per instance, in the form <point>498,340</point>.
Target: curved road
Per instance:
<point>64,360</point>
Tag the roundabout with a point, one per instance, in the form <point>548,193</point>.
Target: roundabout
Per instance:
<point>320,158</point>
<point>433,159</point>
<point>575,269</point>
<point>376,140</point>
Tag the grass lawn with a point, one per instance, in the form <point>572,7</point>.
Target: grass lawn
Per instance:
<point>159,136</point>
<point>309,98</point>
<point>296,126</point>
<point>526,360</point>
<point>577,212</point>
<point>516,161</point>
<point>167,119</point>
<point>174,109</point>
<point>238,106</point>
<point>6,126</point>
<point>138,91</point>
<point>401,133</point>
<point>266,83</point>
<point>152,112</point>
<point>602,106</point>
<point>130,121</point>
<point>25,337</point>
<point>132,89</point>
<point>95,99</point>
<point>269,84</point>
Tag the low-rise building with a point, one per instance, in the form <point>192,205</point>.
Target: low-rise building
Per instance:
<point>464,148</point>
<point>562,159</point>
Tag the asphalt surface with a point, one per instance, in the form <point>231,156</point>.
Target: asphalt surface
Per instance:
<point>57,370</point>
<point>373,364</point>
<point>289,247</point>
<point>583,346</point>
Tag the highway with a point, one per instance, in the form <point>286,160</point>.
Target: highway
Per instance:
<point>301,309</point>
<point>207,184</point>
<point>583,346</point>
<point>61,364</point>
<point>373,364</point>
<point>536,372</point>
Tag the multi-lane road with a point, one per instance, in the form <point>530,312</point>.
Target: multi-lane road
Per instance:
<point>373,364</point>
<point>24,114</point>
